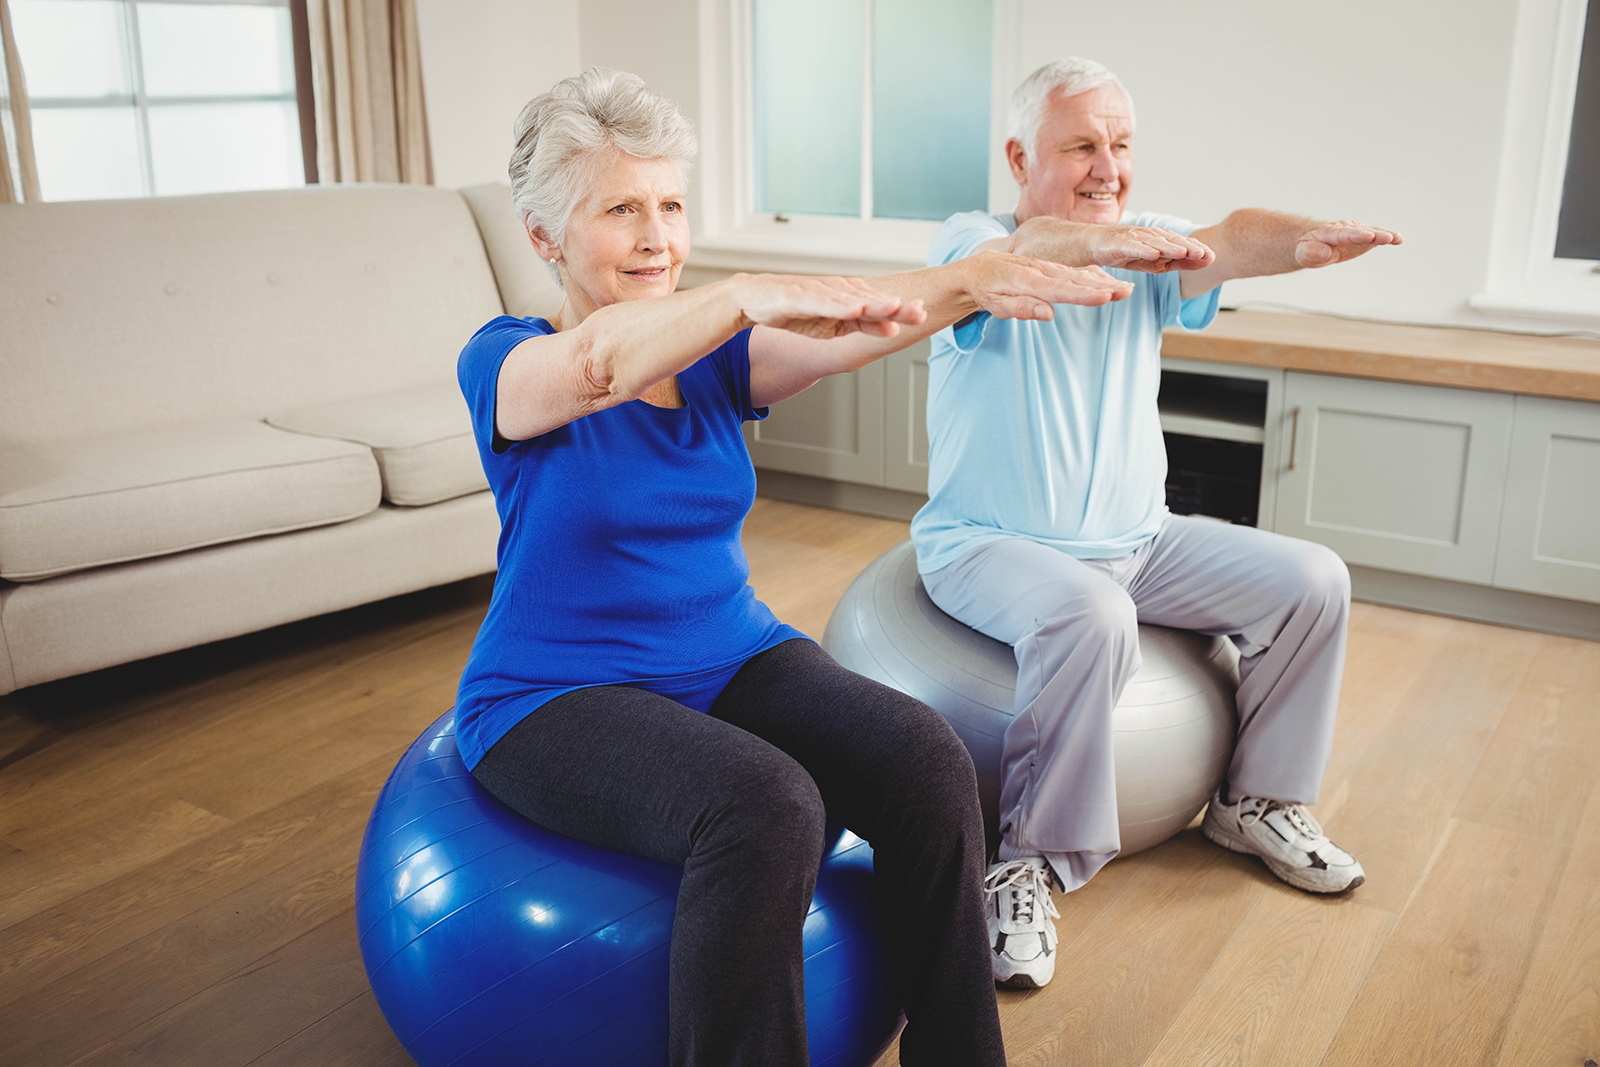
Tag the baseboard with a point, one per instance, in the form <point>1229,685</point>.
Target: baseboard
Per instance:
<point>1480,603</point>
<point>871,500</point>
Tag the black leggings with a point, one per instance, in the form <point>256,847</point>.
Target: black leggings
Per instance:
<point>738,798</point>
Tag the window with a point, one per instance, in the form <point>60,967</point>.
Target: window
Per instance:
<point>839,134</point>
<point>136,98</point>
<point>1578,230</point>
<point>1540,263</point>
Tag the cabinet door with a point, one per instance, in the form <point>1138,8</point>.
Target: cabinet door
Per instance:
<point>1550,532</point>
<point>1404,477</point>
<point>832,430</point>
<point>905,460</point>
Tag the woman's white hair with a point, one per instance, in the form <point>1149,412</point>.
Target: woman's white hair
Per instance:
<point>559,132</point>
<point>1071,76</point>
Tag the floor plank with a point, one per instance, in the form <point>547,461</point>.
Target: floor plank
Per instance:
<point>1281,987</point>
<point>45,948</point>
<point>1557,1018</point>
<point>354,1036</point>
<point>1547,749</point>
<point>246,1014</point>
<point>1120,983</point>
<point>100,1002</point>
<point>1442,989</point>
<point>1402,792</point>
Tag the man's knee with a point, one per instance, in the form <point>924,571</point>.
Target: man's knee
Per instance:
<point>1101,611</point>
<point>1321,577</point>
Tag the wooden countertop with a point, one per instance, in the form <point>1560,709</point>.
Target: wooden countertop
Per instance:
<point>1470,359</point>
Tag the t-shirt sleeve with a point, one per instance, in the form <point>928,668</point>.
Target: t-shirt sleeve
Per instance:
<point>478,371</point>
<point>731,361</point>
<point>1194,313</point>
<point>957,239</point>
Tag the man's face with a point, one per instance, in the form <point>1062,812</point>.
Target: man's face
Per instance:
<point>1081,167</point>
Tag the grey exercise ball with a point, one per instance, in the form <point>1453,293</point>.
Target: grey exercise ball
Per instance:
<point>1173,728</point>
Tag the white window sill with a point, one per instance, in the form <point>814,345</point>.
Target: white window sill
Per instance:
<point>1582,307</point>
<point>805,257</point>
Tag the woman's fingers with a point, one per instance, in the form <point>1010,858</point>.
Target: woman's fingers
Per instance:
<point>805,304</point>
<point>1025,288</point>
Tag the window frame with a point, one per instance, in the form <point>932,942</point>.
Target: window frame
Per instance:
<point>732,235</point>
<point>141,101</point>
<point>1525,279</point>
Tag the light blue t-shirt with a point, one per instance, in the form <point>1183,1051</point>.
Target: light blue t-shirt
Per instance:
<point>1049,430</point>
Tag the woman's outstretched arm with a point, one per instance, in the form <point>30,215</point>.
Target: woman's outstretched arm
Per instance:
<point>1007,286</point>
<point>621,350</point>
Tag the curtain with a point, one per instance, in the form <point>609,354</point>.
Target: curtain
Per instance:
<point>22,125</point>
<point>367,71</point>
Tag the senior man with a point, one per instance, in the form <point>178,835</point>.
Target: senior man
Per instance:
<point>1047,527</point>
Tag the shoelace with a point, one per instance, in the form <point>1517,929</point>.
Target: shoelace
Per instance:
<point>1299,818</point>
<point>1032,884</point>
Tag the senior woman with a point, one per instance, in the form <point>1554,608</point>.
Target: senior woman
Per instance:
<point>626,687</point>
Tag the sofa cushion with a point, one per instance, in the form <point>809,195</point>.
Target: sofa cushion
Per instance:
<point>422,438</point>
<point>67,505</point>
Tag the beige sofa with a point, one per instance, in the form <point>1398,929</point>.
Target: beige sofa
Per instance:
<point>222,413</point>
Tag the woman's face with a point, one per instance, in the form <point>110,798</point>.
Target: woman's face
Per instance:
<point>628,236</point>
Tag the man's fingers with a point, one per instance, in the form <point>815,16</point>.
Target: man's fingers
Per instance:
<point>1154,251</point>
<point>1355,233</point>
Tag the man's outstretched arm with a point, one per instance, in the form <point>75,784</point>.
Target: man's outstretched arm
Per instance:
<point>1254,242</point>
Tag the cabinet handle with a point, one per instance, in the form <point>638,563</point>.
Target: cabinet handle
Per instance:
<point>1294,436</point>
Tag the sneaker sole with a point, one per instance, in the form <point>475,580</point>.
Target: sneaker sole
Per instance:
<point>1020,981</point>
<point>1287,875</point>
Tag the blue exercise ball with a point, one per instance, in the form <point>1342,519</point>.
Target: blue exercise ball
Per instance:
<point>490,940</point>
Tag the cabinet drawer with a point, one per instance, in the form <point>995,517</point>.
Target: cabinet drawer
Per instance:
<point>832,430</point>
<point>1550,531</point>
<point>1403,477</point>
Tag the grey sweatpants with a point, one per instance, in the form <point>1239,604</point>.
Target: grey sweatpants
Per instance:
<point>1074,626</point>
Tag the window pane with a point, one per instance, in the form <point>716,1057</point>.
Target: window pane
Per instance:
<point>1578,233</point>
<point>207,148</point>
<point>72,47</point>
<point>808,106</point>
<point>930,107</point>
<point>215,49</point>
<point>86,153</point>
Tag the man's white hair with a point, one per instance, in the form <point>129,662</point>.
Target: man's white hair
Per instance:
<point>559,132</point>
<point>1071,76</point>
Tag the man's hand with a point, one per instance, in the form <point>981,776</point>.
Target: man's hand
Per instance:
<point>1335,242</point>
<point>1145,248</point>
<point>1252,242</point>
<point>1089,244</point>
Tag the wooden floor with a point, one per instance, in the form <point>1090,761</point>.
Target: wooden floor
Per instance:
<point>178,843</point>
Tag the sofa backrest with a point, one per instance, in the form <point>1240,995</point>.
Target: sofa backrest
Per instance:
<point>122,314</point>
<point>526,285</point>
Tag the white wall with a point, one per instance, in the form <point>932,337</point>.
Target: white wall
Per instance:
<point>1387,111</point>
<point>659,41</point>
<point>481,61</point>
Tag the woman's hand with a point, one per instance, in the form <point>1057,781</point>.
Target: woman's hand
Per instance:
<point>823,307</point>
<point>1015,287</point>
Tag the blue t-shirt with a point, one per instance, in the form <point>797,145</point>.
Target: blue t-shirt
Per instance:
<point>620,559</point>
<point>1049,430</point>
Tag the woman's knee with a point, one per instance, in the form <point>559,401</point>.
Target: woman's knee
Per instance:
<point>768,810</point>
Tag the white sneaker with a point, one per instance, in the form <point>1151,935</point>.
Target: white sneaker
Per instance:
<point>1288,840</point>
<point>1021,935</point>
